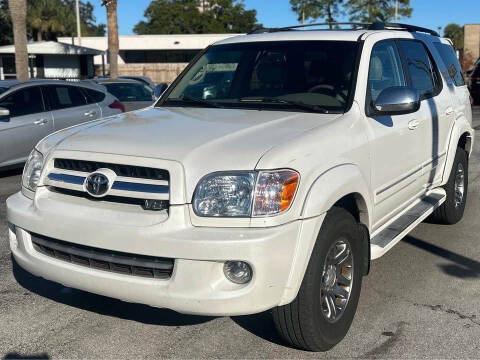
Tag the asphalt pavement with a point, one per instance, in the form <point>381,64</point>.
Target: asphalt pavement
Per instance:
<point>421,300</point>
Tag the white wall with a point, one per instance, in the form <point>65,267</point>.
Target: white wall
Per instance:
<point>150,42</point>
<point>61,66</point>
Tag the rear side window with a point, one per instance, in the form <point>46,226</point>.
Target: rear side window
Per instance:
<point>422,72</point>
<point>130,91</point>
<point>64,97</point>
<point>24,102</point>
<point>93,96</point>
<point>451,62</point>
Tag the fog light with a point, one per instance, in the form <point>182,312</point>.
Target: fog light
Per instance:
<point>238,272</point>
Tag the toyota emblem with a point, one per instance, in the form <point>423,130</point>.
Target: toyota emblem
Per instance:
<point>97,184</point>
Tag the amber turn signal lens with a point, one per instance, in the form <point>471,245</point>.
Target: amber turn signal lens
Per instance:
<point>288,192</point>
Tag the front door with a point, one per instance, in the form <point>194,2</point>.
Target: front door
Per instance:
<point>27,124</point>
<point>397,142</point>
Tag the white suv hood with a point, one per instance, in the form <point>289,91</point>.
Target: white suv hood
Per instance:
<point>203,140</point>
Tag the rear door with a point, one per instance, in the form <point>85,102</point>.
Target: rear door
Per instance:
<point>69,106</point>
<point>436,102</point>
<point>28,123</point>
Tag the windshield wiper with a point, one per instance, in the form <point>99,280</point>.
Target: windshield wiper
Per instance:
<point>189,99</point>
<point>298,104</point>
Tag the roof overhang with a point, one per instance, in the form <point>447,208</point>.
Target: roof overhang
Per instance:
<point>52,48</point>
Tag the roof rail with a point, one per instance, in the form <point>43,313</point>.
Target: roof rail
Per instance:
<point>355,25</point>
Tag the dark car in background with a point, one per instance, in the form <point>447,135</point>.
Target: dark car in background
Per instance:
<point>133,94</point>
<point>474,83</point>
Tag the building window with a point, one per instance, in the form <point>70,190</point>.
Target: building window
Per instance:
<point>158,56</point>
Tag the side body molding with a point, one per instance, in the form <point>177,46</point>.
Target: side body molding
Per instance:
<point>329,187</point>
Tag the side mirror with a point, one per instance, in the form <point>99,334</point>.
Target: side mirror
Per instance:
<point>4,112</point>
<point>397,100</point>
<point>159,90</point>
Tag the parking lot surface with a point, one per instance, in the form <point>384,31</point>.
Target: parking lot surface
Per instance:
<point>422,299</point>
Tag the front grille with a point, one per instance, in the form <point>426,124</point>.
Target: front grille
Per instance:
<point>132,171</point>
<point>106,260</point>
<point>162,204</point>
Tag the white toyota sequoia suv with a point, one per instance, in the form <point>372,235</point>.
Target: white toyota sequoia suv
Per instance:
<point>267,176</point>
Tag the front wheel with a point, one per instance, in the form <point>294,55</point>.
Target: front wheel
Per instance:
<point>321,314</point>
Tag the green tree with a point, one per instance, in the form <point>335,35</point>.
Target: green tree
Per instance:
<point>6,31</point>
<point>44,18</point>
<point>317,9</point>
<point>185,17</point>
<point>455,33</point>
<point>49,19</point>
<point>377,10</point>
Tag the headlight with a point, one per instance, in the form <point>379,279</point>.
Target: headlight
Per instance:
<point>225,195</point>
<point>33,170</point>
<point>274,192</point>
<point>245,194</point>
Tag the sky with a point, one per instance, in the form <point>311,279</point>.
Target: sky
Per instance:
<point>277,13</point>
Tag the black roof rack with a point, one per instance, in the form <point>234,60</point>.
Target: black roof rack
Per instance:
<point>355,25</point>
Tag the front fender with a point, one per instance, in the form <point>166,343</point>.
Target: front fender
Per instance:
<point>329,187</point>
<point>335,184</point>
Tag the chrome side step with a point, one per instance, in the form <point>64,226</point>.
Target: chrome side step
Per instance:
<point>406,222</point>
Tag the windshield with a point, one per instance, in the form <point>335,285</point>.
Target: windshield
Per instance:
<point>130,91</point>
<point>300,75</point>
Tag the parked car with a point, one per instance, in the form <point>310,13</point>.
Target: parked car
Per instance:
<point>32,110</point>
<point>275,191</point>
<point>474,83</point>
<point>143,79</point>
<point>133,94</point>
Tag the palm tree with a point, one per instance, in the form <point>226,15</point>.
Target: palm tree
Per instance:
<point>112,21</point>
<point>46,17</point>
<point>18,13</point>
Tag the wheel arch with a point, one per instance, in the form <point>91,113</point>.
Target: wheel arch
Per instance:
<point>462,135</point>
<point>342,186</point>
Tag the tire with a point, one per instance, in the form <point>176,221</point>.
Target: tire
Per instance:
<point>303,323</point>
<point>451,211</point>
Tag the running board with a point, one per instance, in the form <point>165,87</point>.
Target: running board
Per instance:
<point>406,222</point>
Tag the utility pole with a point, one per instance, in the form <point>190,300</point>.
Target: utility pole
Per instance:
<point>396,10</point>
<point>79,31</point>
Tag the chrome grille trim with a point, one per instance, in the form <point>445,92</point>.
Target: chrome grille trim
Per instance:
<point>117,185</point>
<point>135,182</point>
<point>132,171</point>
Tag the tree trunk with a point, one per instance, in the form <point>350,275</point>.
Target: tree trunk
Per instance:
<point>112,37</point>
<point>39,36</point>
<point>18,12</point>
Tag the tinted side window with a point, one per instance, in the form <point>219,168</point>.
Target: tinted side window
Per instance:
<point>385,69</point>
<point>451,62</point>
<point>130,91</point>
<point>24,102</point>
<point>422,73</point>
<point>93,96</point>
<point>62,97</point>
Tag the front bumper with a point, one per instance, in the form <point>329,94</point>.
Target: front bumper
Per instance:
<point>197,285</point>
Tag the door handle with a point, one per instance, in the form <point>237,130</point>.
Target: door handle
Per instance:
<point>90,113</point>
<point>449,111</point>
<point>413,125</point>
<point>41,122</point>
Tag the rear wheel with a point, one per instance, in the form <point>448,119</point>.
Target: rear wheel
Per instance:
<point>321,314</point>
<point>451,211</point>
